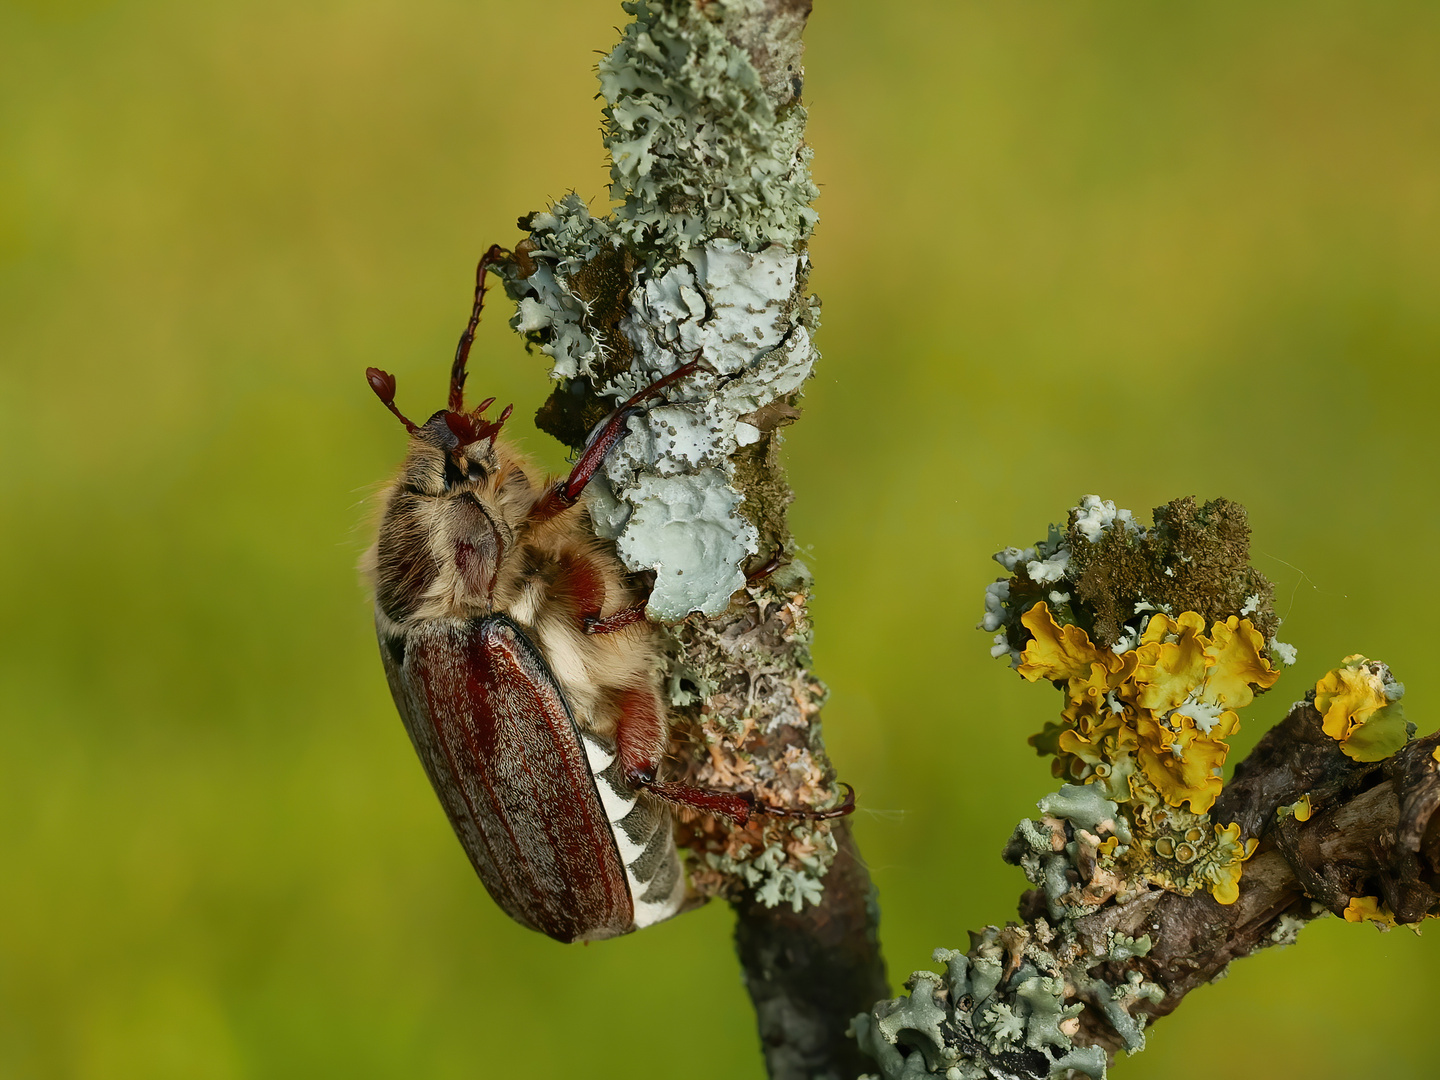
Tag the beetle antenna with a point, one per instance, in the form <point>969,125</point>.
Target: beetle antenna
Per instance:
<point>383,383</point>
<point>495,254</point>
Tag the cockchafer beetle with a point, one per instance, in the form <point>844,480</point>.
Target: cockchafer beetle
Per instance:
<point>518,653</point>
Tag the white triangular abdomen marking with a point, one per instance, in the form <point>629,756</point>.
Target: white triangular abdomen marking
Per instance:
<point>616,805</point>
<point>598,756</point>
<point>649,913</point>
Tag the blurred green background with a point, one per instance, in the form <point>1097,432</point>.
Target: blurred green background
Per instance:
<point>1138,250</point>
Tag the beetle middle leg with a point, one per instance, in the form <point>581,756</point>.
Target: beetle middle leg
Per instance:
<point>629,616</point>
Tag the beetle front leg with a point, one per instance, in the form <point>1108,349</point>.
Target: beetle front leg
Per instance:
<point>566,493</point>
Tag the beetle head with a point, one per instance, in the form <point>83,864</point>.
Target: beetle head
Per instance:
<point>451,453</point>
<point>453,512</point>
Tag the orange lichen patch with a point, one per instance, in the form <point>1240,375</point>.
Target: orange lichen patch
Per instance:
<point>1359,707</point>
<point>1237,664</point>
<point>1171,660</point>
<point>1058,652</point>
<point>1177,661</point>
<point>1300,810</point>
<point>1231,852</point>
<point>727,770</point>
<point>1170,701</point>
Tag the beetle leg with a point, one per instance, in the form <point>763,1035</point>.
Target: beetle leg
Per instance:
<point>640,738</point>
<point>738,806</point>
<point>566,493</point>
<point>726,804</point>
<point>581,585</point>
<point>580,582</point>
<point>640,734</point>
<point>774,563</point>
<point>629,616</point>
<point>805,814</point>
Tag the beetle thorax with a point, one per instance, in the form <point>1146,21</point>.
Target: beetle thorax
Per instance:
<point>450,526</point>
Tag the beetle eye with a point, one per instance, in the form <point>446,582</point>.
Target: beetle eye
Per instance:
<point>473,471</point>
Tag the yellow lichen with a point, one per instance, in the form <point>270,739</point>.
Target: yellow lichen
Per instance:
<point>1300,810</point>
<point>1359,708</point>
<point>1183,762</point>
<point>1149,728</point>
<point>1238,665</point>
<point>1058,652</point>
<point>1171,660</point>
<point>1170,701</point>
<point>1346,697</point>
<point>1369,909</point>
<point>1224,872</point>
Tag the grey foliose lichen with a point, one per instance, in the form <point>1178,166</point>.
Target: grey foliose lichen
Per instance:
<point>742,691</point>
<point>1010,1007</point>
<point>997,1012</point>
<point>702,260</point>
<point>776,874</point>
<point>673,507</point>
<point>698,145</point>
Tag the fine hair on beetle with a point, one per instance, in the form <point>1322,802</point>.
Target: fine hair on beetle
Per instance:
<point>520,659</point>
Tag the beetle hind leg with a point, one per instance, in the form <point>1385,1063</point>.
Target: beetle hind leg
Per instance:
<point>640,738</point>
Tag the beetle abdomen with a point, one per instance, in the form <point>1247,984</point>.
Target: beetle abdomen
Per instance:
<point>643,836</point>
<point>503,753</point>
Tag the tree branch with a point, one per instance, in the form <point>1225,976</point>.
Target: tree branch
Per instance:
<point>705,257</point>
<point>1150,874</point>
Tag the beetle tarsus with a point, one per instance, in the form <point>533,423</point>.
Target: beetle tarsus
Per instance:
<point>738,806</point>
<point>804,814</point>
<point>774,563</point>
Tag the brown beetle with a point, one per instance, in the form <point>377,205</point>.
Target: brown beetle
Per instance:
<point>520,659</point>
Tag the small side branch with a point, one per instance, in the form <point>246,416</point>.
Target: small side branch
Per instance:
<point>1151,874</point>
<point>1374,831</point>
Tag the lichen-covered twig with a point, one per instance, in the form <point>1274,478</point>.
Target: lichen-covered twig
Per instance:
<point>1150,873</point>
<point>704,258</point>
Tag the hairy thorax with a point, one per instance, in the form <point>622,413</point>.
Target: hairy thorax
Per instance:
<point>465,550</point>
